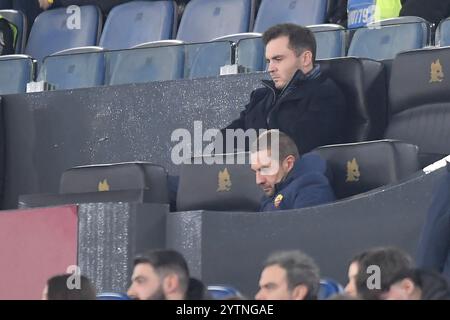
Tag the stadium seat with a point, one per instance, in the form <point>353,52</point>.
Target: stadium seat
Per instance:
<point>419,102</point>
<point>204,20</point>
<point>15,72</point>
<point>329,288</point>
<point>383,40</point>
<point>112,296</point>
<point>330,39</point>
<point>115,177</point>
<point>205,59</point>
<point>223,292</point>
<point>363,82</point>
<point>137,22</point>
<point>145,63</point>
<point>57,30</point>
<point>442,38</point>
<point>222,187</point>
<point>302,12</point>
<point>359,167</point>
<point>20,21</point>
<point>74,68</point>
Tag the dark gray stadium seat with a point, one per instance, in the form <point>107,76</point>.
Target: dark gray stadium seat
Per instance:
<point>74,68</point>
<point>15,72</point>
<point>50,32</point>
<point>145,64</point>
<point>220,187</point>
<point>359,167</point>
<point>383,40</point>
<point>330,39</point>
<point>419,102</point>
<point>302,12</point>
<point>204,20</point>
<point>363,82</point>
<point>117,177</point>
<point>138,22</point>
<point>20,21</point>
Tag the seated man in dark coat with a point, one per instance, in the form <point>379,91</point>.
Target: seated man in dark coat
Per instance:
<point>288,180</point>
<point>301,101</point>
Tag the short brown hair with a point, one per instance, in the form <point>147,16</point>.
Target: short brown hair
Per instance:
<point>300,38</point>
<point>287,146</point>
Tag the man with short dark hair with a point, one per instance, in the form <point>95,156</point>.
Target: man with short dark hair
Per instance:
<point>289,275</point>
<point>301,100</point>
<point>57,288</point>
<point>377,268</point>
<point>289,181</point>
<point>159,275</point>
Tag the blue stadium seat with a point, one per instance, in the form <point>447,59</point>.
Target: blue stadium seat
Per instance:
<point>206,59</point>
<point>329,288</point>
<point>15,72</point>
<point>144,64</point>
<point>138,22</point>
<point>112,296</point>
<point>443,33</point>
<point>383,40</point>
<point>204,20</point>
<point>302,12</point>
<point>223,292</point>
<point>249,50</point>
<point>50,32</point>
<point>330,39</point>
<point>74,68</point>
<point>20,21</point>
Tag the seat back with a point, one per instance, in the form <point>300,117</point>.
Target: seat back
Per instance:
<point>209,185</point>
<point>419,102</point>
<point>20,21</point>
<point>302,12</point>
<point>138,22</point>
<point>364,85</point>
<point>115,177</point>
<point>442,37</point>
<point>220,292</point>
<point>206,59</point>
<point>144,64</point>
<point>385,39</point>
<point>359,167</point>
<point>15,72</point>
<point>74,68</point>
<point>330,40</point>
<point>204,20</point>
<point>60,29</point>
<point>112,296</point>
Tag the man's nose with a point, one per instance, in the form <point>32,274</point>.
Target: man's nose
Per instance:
<point>259,178</point>
<point>270,67</point>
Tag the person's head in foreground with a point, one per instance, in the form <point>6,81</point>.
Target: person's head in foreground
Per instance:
<point>289,275</point>
<point>68,287</point>
<point>159,275</point>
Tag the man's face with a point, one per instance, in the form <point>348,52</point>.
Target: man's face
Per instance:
<point>145,283</point>
<point>268,172</point>
<point>283,61</point>
<point>350,288</point>
<point>273,284</point>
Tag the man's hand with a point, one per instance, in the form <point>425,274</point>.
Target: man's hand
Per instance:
<point>45,4</point>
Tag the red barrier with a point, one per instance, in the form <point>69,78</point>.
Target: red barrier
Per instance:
<point>34,245</point>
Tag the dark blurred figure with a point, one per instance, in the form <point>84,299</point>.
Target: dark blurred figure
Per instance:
<point>431,10</point>
<point>197,290</point>
<point>57,288</point>
<point>337,12</point>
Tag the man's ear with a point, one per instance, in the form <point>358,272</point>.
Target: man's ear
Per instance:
<point>307,59</point>
<point>170,283</point>
<point>289,162</point>
<point>299,292</point>
<point>408,286</point>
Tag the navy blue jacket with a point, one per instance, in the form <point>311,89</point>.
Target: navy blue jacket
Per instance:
<point>311,110</point>
<point>306,185</point>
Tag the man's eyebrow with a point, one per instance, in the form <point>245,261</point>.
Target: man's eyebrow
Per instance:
<point>276,57</point>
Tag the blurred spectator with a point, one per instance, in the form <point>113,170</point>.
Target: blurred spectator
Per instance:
<point>376,270</point>
<point>197,290</point>
<point>58,288</point>
<point>431,10</point>
<point>363,12</point>
<point>159,275</point>
<point>416,284</point>
<point>337,12</point>
<point>289,275</point>
<point>350,288</point>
